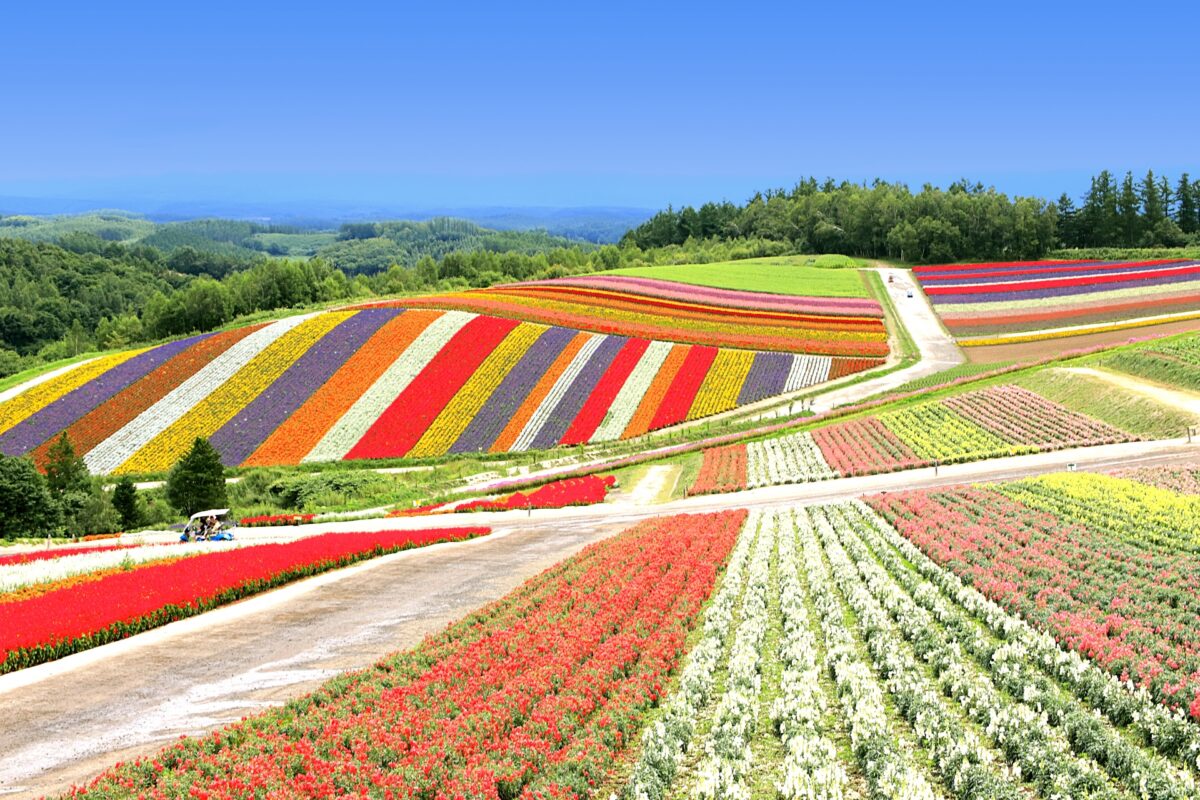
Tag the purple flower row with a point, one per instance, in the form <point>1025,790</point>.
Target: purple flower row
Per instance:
<point>241,436</point>
<point>1061,291</point>
<point>580,390</point>
<point>767,377</point>
<point>73,406</point>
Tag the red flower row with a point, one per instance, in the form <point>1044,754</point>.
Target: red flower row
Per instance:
<point>89,614</point>
<point>536,696</point>
<point>272,520</point>
<point>57,552</point>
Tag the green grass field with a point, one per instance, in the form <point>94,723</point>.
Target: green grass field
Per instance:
<point>794,275</point>
<point>1103,401</point>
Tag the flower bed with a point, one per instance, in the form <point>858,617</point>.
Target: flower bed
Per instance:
<point>584,491</point>
<point>722,470</point>
<point>538,695</point>
<point>57,552</point>
<point>85,615</point>
<point>985,304</point>
<point>273,520</point>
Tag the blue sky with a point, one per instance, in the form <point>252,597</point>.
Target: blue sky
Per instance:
<point>616,103</point>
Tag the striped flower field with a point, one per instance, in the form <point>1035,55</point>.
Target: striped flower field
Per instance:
<point>993,303</point>
<point>391,382</point>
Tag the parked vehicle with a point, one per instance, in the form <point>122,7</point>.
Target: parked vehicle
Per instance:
<point>214,525</point>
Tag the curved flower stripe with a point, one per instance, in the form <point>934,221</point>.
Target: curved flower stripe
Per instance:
<point>767,377</point>
<point>303,430</point>
<point>720,389</point>
<point>679,398</point>
<point>14,411</point>
<point>350,428</point>
<point>239,437</point>
<point>944,269</point>
<point>654,287</point>
<point>108,418</point>
<point>637,324</point>
<point>1187,272</point>
<point>397,429</point>
<point>118,448</point>
<point>648,408</point>
<point>626,403</point>
<point>1032,304</point>
<point>1170,282</point>
<point>555,393</point>
<point>1080,331</point>
<point>572,400</point>
<point>601,398</point>
<point>1071,315</point>
<point>1016,276</point>
<point>509,397</point>
<point>533,401</point>
<point>808,371</point>
<point>450,423</point>
<point>229,397</point>
<point>67,410</point>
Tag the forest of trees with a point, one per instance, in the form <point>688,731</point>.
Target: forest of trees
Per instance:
<point>965,221</point>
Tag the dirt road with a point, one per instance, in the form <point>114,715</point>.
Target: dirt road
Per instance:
<point>1188,402</point>
<point>61,723</point>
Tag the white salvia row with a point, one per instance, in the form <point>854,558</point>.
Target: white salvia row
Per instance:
<point>626,403</point>
<point>122,445</point>
<point>811,767</point>
<point>666,740</point>
<point>1167,731</point>
<point>542,414</point>
<point>1021,732</point>
<point>16,576</point>
<point>1148,776</point>
<point>350,428</point>
<point>888,768</point>
<point>958,755</point>
<point>807,371</point>
<point>725,770</point>
<point>794,458</point>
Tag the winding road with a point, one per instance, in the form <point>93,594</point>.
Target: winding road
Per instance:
<point>63,722</point>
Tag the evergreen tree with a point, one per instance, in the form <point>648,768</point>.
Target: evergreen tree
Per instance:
<point>197,481</point>
<point>66,472</point>
<point>26,508</point>
<point>125,501</point>
<point>1152,203</point>
<point>1128,213</point>
<point>1188,214</point>
<point>1068,222</point>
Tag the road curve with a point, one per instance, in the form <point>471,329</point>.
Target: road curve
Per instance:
<point>63,722</point>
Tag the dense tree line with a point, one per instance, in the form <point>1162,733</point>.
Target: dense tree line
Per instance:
<point>963,222</point>
<point>1151,212</point>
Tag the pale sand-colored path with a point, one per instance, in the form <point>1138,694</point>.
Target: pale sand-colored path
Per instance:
<point>62,723</point>
<point>1181,399</point>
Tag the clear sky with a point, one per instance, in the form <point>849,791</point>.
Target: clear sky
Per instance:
<point>638,103</point>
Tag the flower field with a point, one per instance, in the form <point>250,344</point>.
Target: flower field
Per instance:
<point>537,695</point>
<point>80,615</point>
<point>387,382</point>
<point>997,421</point>
<point>1108,567</point>
<point>993,303</point>
<point>676,312</point>
<point>585,491</point>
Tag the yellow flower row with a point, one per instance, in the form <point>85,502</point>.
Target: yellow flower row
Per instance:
<point>1080,331</point>
<point>470,399</point>
<point>719,391</point>
<point>29,402</point>
<point>225,401</point>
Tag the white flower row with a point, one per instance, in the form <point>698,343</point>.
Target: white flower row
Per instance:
<point>626,403</point>
<point>728,757</point>
<point>811,767</point>
<point>350,428</point>
<point>16,576</point>
<point>966,765</point>
<point>542,415</point>
<point>794,458</point>
<point>122,445</point>
<point>1150,776</point>
<point>807,371</point>
<point>667,739</point>
<point>888,768</point>
<point>1169,732</point>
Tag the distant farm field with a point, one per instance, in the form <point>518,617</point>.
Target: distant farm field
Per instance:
<point>778,275</point>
